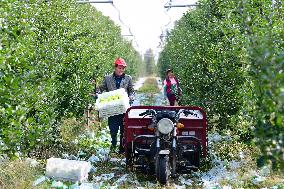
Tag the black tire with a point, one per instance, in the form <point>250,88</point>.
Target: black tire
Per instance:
<point>174,164</point>
<point>129,159</point>
<point>163,170</point>
<point>197,156</point>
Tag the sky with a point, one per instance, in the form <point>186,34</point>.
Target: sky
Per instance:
<point>145,18</point>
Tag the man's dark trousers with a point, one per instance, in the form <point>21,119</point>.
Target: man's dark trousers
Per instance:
<point>115,123</point>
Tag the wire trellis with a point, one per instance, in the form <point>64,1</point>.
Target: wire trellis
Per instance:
<point>168,5</point>
<point>119,16</point>
<point>121,21</point>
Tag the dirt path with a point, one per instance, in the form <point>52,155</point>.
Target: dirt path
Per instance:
<point>149,99</point>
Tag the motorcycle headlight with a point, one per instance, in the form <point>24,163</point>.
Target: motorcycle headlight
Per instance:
<point>165,126</point>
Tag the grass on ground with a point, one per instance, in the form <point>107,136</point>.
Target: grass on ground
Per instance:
<point>19,175</point>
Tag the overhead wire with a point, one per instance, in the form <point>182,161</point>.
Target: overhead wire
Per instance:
<point>129,30</point>
<point>83,1</point>
<point>180,3</point>
<point>166,25</point>
<point>168,5</point>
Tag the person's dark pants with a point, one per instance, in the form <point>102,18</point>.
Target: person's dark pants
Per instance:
<point>115,123</point>
<point>172,99</point>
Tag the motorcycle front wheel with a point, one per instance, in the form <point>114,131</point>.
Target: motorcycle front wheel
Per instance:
<point>163,169</point>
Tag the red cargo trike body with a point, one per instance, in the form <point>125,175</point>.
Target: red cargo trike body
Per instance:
<point>138,137</point>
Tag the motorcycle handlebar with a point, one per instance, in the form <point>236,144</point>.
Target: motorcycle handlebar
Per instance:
<point>143,113</point>
<point>153,113</point>
<point>148,112</point>
<point>187,112</point>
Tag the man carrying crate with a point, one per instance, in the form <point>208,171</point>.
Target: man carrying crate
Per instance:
<point>118,79</point>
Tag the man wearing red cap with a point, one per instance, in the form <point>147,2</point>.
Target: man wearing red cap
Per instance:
<point>118,79</point>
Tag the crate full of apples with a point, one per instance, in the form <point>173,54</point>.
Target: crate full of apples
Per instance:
<point>112,103</point>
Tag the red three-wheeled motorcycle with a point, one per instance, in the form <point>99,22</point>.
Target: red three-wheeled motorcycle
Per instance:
<point>165,140</point>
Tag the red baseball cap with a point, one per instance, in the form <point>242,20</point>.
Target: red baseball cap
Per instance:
<point>120,62</point>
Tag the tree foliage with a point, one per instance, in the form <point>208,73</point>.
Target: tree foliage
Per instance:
<point>149,62</point>
<point>49,51</point>
<point>229,58</point>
